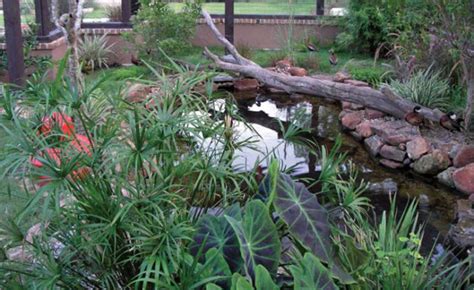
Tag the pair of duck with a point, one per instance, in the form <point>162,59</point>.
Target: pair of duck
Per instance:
<point>332,55</point>
<point>448,121</point>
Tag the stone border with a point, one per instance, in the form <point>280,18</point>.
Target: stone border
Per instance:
<point>396,144</point>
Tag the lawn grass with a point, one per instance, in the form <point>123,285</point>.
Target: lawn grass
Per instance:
<point>266,8</point>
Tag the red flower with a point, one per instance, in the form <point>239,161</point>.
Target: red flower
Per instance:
<point>65,123</point>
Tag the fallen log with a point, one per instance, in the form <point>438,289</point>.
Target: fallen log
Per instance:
<point>383,100</point>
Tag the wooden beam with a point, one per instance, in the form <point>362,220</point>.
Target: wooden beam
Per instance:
<point>229,20</point>
<point>43,17</point>
<point>14,41</point>
<point>126,10</point>
<point>320,7</point>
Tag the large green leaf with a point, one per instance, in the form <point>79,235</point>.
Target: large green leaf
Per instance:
<point>307,220</point>
<point>309,273</point>
<point>240,283</point>
<point>258,238</point>
<point>216,232</point>
<point>263,279</point>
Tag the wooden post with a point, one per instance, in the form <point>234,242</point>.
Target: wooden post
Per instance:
<point>320,7</point>
<point>126,10</point>
<point>229,21</point>
<point>14,41</point>
<point>43,17</point>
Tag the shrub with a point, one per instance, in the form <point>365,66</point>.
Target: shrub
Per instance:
<point>94,52</point>
<point>373,23</point>
<point>371,75</point>
<point>160,27</point>
<point>425,87</point>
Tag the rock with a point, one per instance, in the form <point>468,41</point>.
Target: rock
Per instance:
<point>471,197</point>
<point>223,78</point>
<point>340,77</point>
<point>35,231</point>
<point>19,254</point>
<point>464,156</point>
<point>356,83</point>
<point>402,146</point>
<point>395,132</point>
<point>373,145</point>
<point>392,153</point>
<point>351,120</point>
<point>455,150</point>
<point>246,84</point>
<point>391,164</point>
<point>417,148</point>
<point>424,200</point>
<point>407,162</point>
<point>463,179</point>
<point>388,186</point>
<point>371,114</point>
<point>432,163</point>
<point>138,93</point>
<point>344,112</point>
<point>284,64</point>
<point>297,71</point>
<point>351,106</point>
<point>446,177</point>
<point>364,129</point>
<point>462,233</point>
<point>356,135</point>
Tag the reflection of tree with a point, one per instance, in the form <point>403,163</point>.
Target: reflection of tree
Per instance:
<point>300,115</point>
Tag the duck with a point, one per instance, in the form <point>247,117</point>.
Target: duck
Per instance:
<point>311,47</point>
<point>414,118</point>
<point>332,57</point>
<point>461,123</point>
<point>449,122</point>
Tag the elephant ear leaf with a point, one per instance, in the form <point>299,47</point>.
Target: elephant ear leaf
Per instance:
<point>309,273</point>
<point>263,279</point>
<point>212,286</point>
<point>258,239</point>
<point>215,269</point>
<point>240,283</point>
<point>216,232</point>
<point>307,220</point>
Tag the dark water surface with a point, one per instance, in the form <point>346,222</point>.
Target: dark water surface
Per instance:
<point>262,111</point>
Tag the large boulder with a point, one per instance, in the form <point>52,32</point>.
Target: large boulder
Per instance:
<point>395,132</point>
<point>417,148</point>
<point>392,153</point>
<point>351,120</point>
<point>432,163</point>
<point>373,145</point>
<point>463,179</point>
<point>464,156</point>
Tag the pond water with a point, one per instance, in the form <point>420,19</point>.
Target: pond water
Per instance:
<point>263,111</point>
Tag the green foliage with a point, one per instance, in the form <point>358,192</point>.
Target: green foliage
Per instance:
<point>160,27</point>
<point>309,273</point>
<point>94,52</point>
<point>425,87</point>
<point>373,75</point>
<point>258,239</point>
<point>371,24</point>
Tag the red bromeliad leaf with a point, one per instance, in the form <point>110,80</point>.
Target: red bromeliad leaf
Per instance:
<point>65,123</point>
<point>82,144</point>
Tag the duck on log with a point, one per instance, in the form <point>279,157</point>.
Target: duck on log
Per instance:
<point>383,100</point>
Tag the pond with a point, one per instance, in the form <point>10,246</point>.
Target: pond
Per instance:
<point>262,111</point>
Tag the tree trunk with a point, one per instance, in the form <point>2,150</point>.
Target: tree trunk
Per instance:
<point>383,100</point>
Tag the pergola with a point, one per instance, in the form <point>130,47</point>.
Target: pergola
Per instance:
<point>47,32</point>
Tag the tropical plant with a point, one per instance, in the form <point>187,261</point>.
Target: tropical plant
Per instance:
<point>160,27</point>
<point>94,52</point>
<point>425,87</point>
